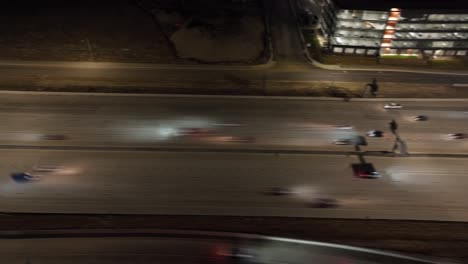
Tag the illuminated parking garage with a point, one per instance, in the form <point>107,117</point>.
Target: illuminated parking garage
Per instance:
<point>354,27</point>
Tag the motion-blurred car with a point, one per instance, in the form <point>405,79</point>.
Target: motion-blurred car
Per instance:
<point>238,139</point>
<point>54,137</point>
<point>23,177</point>
<point>324,203</point>
<point>456,136</point>
<point>375,133</point>
<point>343,142</point>
<point>419,118</point>
<point>279,191</point>
<point>365,170</point>
<point>393,106</point>
<point>194,131</point>
<point>47,168</point>
<point>237,254</point>
<point>344,127</point>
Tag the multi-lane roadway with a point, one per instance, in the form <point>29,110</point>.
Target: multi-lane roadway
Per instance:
<point>220,122</point>
<point>121,154</point>
<point>232,184</point>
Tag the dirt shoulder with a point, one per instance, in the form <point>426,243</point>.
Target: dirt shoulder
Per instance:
<point>345,90</point>
<point>133,31</point>
<point>437,239</point>
<point>81,31</point>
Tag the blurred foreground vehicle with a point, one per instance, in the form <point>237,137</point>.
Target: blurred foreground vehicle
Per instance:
<point>237,254</point>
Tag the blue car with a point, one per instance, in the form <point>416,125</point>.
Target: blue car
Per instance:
<point>23,177</point>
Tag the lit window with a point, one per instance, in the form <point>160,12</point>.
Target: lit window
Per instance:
<point>360,51</point>
<point>337,50</point>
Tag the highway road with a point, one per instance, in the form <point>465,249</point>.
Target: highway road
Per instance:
<point>98,177</point>
<point>180,249</point>
<point>240,123</point>
<point>232,184</point>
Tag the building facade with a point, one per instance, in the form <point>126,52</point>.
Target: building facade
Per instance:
<point>394,30</point>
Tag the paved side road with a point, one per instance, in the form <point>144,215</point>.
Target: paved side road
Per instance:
<point>182,247</point>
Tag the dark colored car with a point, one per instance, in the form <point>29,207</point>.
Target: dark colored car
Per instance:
<point>324,203</point>
<point>457,136</point>
<point>365,170</point>
<point>53,137</point>
<point>23,177</point>
<point>236,254</point>
<point>419,118</point>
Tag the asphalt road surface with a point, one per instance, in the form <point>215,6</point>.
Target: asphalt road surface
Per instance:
<point>95,177</point>
<point>232,184</point>
<point>241,123</point>
<point>178,250</point>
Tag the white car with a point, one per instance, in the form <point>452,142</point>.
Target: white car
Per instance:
<point>343,142</point>
<point>392,106</point>
<point>375,133</point>
<point>47,168</point>
<point>344,127</point>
